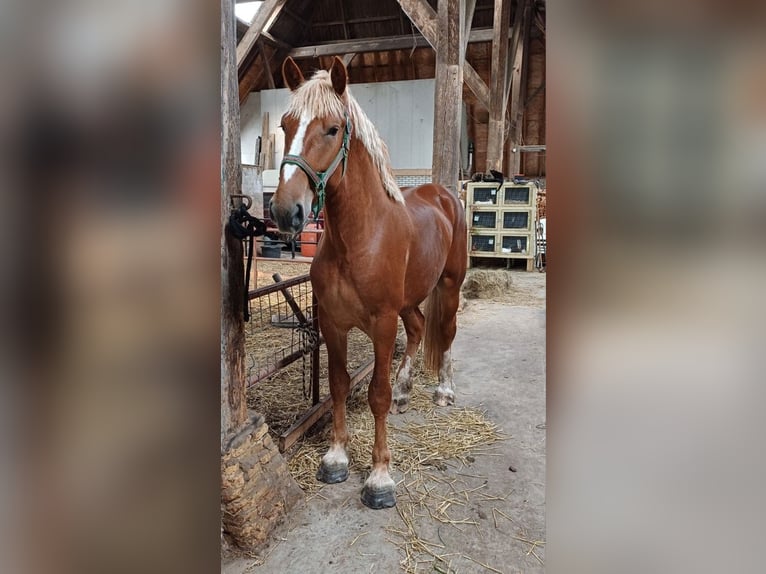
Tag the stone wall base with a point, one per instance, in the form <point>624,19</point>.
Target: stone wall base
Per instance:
<point>257,489</point>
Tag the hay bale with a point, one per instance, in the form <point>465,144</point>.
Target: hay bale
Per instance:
<point>486,283</point>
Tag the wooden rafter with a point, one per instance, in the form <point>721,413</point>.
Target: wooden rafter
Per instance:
<point>497,86</point>
<point>518,87</point>
<point>263,20</point>
<point>424,17</point>
<point>376,45</point>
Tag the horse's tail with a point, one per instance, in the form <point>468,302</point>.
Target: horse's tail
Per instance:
<point>433,343</point>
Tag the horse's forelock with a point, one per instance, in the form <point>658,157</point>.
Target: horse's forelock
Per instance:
<point>316,98</point>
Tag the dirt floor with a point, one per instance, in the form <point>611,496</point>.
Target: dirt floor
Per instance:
<point>482,511</point>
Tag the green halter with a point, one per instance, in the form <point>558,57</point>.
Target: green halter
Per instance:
<point>319,178</point>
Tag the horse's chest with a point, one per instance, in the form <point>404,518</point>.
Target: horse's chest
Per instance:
<point>342,298</point>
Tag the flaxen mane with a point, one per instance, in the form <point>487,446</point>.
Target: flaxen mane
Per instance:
<point>317,97</point>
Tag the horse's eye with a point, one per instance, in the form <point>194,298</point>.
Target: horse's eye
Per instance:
<point>332,131</point>
<point>281,127</point>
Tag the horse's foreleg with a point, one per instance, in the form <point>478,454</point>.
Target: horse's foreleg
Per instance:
<point>379,488</point>
<point>413,325</point>
<point>334,465</point>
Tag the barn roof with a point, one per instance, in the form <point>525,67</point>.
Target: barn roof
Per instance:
<point>312,30</point>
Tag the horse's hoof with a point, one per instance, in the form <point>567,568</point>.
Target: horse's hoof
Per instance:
<point>377,499</point>
<point>400,405</point>
<point>332,474</point>
<point>444,398</point>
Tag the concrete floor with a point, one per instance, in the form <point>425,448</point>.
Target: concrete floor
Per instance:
<point>499,355</point>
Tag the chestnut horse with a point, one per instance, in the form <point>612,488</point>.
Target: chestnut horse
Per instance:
<point>383,252</point>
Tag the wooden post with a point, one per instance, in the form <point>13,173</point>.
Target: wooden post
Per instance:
<point>233,384</point>
<point>497,93</point>
<point>518,80</point>
<point>448,94</point>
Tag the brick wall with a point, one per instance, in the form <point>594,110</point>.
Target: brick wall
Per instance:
<point>412,180</point>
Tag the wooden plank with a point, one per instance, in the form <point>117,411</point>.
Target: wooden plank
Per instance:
<point>263,20</point>
<point>448,96</point>
<point>265,127</point>
<point>291,435</point>
<point>233,382</point>
<point>347,58</point>
<point>272,150</point>
<point>424,18</point>
<point>497,94</point>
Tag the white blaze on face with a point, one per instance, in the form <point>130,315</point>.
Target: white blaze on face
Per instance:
<point>296,146</point>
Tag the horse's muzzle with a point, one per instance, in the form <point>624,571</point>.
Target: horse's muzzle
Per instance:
<point>288,220</point>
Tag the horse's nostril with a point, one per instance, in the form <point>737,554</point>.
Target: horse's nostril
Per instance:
<point>299,214</point>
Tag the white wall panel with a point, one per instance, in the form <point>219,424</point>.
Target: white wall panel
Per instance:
<point>403,112</point>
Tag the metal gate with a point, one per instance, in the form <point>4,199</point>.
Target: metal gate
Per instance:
<point>288,307</point>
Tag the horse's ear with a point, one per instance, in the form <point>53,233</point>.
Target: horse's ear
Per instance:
<point>291,74</point>
<point>338,75</point>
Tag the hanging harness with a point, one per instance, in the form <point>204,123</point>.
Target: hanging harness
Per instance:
<point>246,227</point>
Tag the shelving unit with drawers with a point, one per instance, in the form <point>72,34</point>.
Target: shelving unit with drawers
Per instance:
<point>501,221</point>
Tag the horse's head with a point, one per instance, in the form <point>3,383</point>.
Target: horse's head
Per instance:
<point>317,132</point>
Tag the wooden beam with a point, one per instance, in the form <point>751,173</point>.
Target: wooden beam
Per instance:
<point>448,95</point>
<point>267,66</point>
<point>367,20</point>
<point>276,42</point>
<point>347,58</point>
<point>470,6</point>
<point>423,16</point>
<point>357,46</point>
<point>515,37</point>
<point>497,94</point>
<point>376,45</point>
<point>517,87</point>
<point>233,381</point>
<point>343,18</point>
<point>478,87</point>
<point>251,77</point>
<point>263,20</point>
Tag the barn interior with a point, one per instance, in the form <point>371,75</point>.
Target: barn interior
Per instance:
<point>393,41</point>
<point>483,61</point>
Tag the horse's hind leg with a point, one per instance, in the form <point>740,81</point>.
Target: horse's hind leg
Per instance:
<point>449,300</point>
<point>379,489</point>
<point>413,325</point>
<point>334,465</point>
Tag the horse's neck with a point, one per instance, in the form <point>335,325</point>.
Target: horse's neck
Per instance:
<point>358,199</point>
